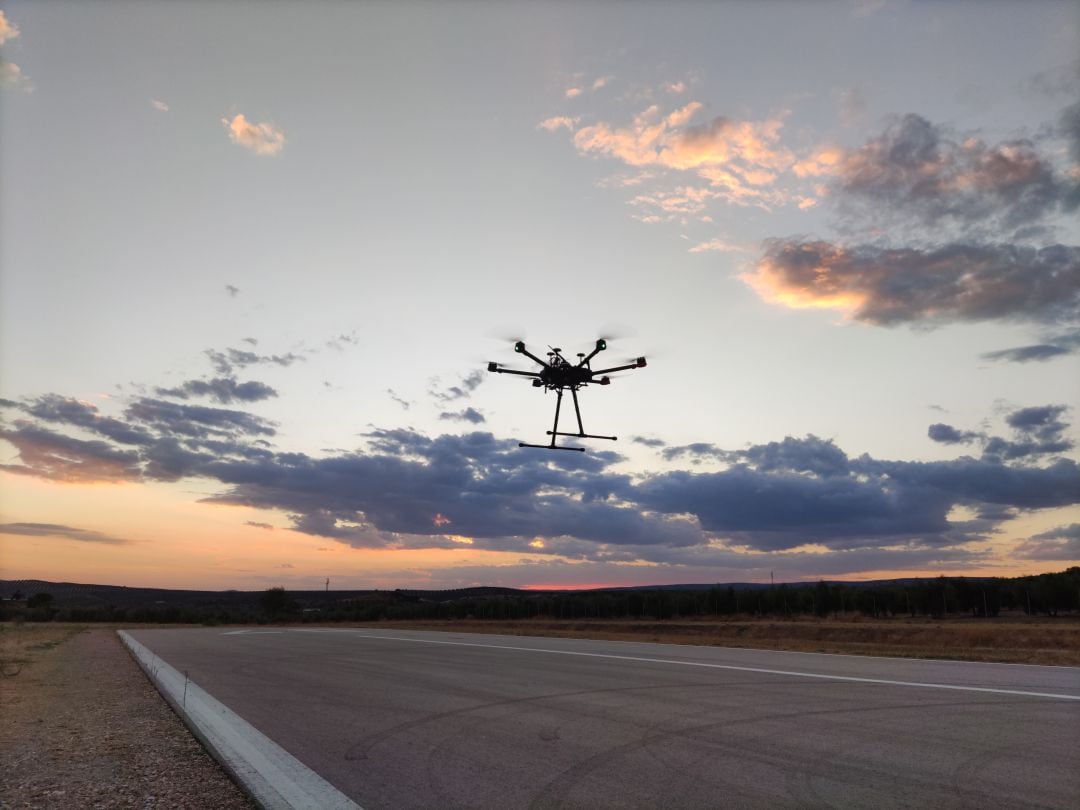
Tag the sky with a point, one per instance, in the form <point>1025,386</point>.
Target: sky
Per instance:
<point>255,258</point>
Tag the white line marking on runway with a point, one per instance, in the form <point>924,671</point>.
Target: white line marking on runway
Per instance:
<point>760,670</point>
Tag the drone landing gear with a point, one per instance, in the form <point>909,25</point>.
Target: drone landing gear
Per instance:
<point>555,432</point>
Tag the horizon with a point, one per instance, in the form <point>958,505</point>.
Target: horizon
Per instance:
<point>533,588</point>
<point>248,298</point>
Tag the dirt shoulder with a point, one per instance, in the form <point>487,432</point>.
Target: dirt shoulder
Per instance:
<point>1014,640</point>
<point>83,727</point>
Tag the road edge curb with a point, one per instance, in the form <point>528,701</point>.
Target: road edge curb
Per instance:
<point>272,777</point>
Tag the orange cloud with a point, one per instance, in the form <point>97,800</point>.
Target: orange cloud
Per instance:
<point>739,159</point>
<point>718,245</point>
<point>8,29</point>
<point>558,122</point>
<point>262,139</point>
<point>804,277</point>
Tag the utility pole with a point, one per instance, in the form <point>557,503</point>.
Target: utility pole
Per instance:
<point>328,584</point>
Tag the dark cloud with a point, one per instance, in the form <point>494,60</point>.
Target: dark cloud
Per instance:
<point>258,525</point>
<point>405,489</point>
<point>56,457</point>
<point>463,390</point>
<point>812,455</point>
<point>1037,431</point>
<point>809,455</point>
<point>696,452</point>
<point>197,421</point>
<point>1062,543</point>
<point>649,442</point>
<point>1054,346</point>
<point>947,434</point>
<point>227,361</point>
<point>221,389</point>
<point>59,530</point>
<point>958,282</point>
<point>404,403</point>
<point>53,408</point>
<point>1026,354</point>
<point>916,172</point>
<point>468,415</point>
<point>232,291</point>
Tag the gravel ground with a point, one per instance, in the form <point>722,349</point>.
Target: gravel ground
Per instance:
<point>83,728</point>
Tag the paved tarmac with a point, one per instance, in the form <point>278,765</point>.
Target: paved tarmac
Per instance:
<point>404,719</point>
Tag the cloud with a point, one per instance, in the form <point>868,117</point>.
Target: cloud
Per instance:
<point>341,341</point>
<point>947,434</point>
<point>573,92</point>
<point>400,489</point>
<point>232,291</point>
<point>957,282</point>
<point>196,421</point>
<point>221,389</point>
<point>8,29</point>
<point>717,245</point>
<point>262,138</point>
<point>160,106</point>
<point>463,390</point>
<point>916,173</point>
<point>58,457</point>
<point>1040,352</point>
<point>225,362</point>
<point>468,415</point>
<point>737,159</point>
<point>404,403</point>
<point>648,442</point>
<point>1062,543</point>
<point>558,122</point>
<point>258,525</point>
<point>11,75</point>
<point>58,530</point>
<point>1037,431</point>
<point>54,408</point>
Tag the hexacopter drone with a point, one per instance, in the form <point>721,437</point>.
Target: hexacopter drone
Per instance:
<point>559,374</point>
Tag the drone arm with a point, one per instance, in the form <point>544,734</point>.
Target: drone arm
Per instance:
<point>519,347</point>
<point>512,371</point>
<point>600,346</point>
<point>639,363</point>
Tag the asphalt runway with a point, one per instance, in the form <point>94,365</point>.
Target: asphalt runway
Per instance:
<point>404,719</point>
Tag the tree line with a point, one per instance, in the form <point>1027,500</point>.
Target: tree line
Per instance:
<point>1049,594</point>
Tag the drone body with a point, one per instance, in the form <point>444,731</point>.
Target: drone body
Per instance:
<point>558,374</point>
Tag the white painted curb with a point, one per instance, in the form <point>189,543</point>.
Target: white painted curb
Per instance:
<point>274,778</point>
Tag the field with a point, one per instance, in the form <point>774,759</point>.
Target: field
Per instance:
<point>1016,640</point>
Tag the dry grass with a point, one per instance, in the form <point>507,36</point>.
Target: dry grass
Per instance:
<point>24,643</point>
<point>1019,640</point>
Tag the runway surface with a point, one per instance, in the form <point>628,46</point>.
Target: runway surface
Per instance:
<point>422,719</point>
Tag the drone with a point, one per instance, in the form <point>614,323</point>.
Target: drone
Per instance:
<point>558,374</point>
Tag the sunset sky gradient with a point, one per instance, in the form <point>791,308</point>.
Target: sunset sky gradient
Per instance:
<point>254,258</point>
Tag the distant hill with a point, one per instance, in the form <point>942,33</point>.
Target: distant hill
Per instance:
<point>120,596</point>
